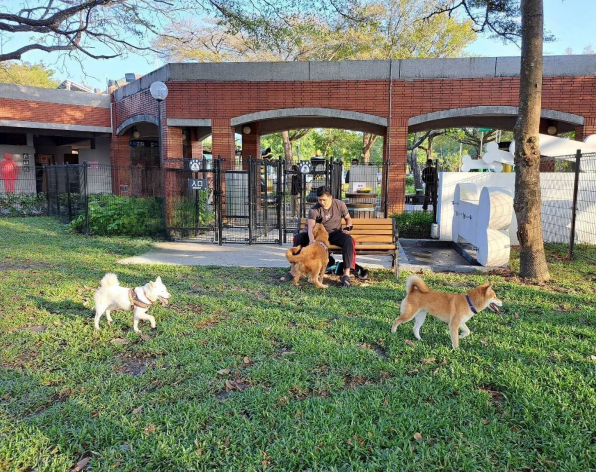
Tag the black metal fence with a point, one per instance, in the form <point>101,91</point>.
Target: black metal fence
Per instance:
<point>197,199</point>
<point>568,186</point>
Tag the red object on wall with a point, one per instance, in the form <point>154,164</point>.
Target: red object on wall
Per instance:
<point>9,172</point>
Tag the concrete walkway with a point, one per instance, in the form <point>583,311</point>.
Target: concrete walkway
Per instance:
<point>231,255</point>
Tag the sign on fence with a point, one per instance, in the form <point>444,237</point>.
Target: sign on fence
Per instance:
<point>197,184</point>
<point>194,165</point>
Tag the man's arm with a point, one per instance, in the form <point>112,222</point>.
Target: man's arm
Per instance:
<point>310,224</point>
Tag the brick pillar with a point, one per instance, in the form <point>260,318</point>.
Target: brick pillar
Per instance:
<point>251,144</point>
<point>173,141</point>
<point>196,146</point>
<point>222,136</point>
<point>588,128</point>
<point>120,157</point>
<point>395,148</point>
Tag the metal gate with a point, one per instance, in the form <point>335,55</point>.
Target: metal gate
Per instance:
<point>192,195</point>
<point>259,204</point>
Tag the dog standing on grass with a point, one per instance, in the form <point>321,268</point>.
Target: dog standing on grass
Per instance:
<point>311,259</point>
<point>455,309</point>
<point>111,296</point>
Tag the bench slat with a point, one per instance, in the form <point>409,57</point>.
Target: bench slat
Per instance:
<point>372,238</point>
<point>369,247</point>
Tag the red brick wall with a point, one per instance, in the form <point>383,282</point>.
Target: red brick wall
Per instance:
<point>46,112</point>
<point>222,101</point>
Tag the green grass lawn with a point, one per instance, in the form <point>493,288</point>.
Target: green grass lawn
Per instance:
<point>246,374</point>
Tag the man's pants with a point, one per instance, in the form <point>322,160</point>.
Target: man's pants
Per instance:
<point>336,238</point>
<point>429,196</point>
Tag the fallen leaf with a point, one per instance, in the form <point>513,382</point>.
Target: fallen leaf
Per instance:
<point>485,421</point>
<point>268,328</point>
<point>246,360</point>
<point>95,414</point>
<point>145,337</point>
<point>227,441</point>
<point>119,341</point>
<point>6,396</point>
<point>444,361</point>
<point>413,371</point>
<point>410,343</point>
<point>230,386</point>
<point>80,465</point>
<point>54,451</point>
<point>593,358</point>
<point>224,371</point>
<point>386,402</point>
<point>417,436</point>
<point>287,353</point>
<point>137,410</point>
<point>484,342</point>
<point>516,316</point>
<point>436,371</point>
<point>428,360</point>
<point>150,429</point>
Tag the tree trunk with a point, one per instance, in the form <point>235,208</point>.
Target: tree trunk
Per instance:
<point>528,200</point>
<point>368,140</point>
<point>285,137</point>
<point>429,152</point>
<point>415,168</point>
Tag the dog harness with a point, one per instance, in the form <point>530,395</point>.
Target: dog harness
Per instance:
<point>470,305</point>
<point>134,300</point>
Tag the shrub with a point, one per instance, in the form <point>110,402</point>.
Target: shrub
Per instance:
<point>414,225</point>
<point>23,204</point>
<point>116,215</point>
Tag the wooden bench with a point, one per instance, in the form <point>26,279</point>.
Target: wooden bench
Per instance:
<point>373,236</point>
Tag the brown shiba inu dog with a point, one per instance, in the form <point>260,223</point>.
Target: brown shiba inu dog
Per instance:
<point>311,259</point>
<point>454,309</point>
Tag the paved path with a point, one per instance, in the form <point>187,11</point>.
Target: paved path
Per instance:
<point>231,255</point>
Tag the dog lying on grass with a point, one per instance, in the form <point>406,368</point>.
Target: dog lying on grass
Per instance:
<point>111,296</point>
<point>455,309</point>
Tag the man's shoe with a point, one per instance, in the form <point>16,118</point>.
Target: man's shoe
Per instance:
<point>345,280</point>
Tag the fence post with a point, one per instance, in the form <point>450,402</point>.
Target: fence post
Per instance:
<point>251,194</point>
<point>68,193</point>
<point>219,201</point>
<point>280,200</point>
<point>386,188</point>
<point>435,191</point>
<point>45,173</point>
<point>86,187</point>
<point>578,156</point>
<point>57,191</point>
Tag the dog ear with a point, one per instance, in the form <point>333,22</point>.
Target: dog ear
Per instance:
<point>158,280</point>
<point>488,288</point>
<point>151,284</point>
<point>486,284</point>
<point>319,219</point>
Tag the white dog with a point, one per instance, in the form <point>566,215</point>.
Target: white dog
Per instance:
<point>110,296</point>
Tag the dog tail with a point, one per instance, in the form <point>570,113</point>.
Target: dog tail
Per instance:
<point>293,254</point>
<point>416,282</point>
<point>110,280</point>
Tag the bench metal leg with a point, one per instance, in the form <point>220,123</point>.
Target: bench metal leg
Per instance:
<point>396,263</point>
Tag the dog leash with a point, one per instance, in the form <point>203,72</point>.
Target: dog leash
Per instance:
<point>470,304</point>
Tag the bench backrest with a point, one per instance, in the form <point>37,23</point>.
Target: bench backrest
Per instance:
<point>369,230</point>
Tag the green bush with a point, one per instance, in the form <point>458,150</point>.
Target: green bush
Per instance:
<point>115,215</point>
<point>410,187</point>
<point>23,204</point>
<point>414,225</point>
<point>184,212</point>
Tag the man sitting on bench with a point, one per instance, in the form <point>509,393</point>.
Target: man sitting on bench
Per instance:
<point>329,212</point>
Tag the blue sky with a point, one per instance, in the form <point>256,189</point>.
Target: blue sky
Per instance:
<point>571,21</point>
